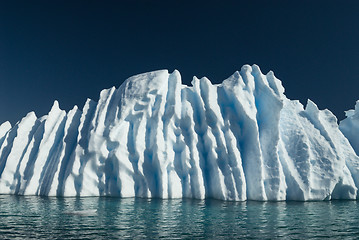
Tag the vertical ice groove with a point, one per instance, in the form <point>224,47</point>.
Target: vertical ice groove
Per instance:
<point>230,121</point>
<point>188,164</point>
<point>102,110</point>
<point>239,88</point>
<point>7,146</point>
<point>94,169</point>
<point>26,167</point>
<point>74,183</point>
<point>101,147</point>
<point>136,129</point>
<point>269,106</point>
<point>119,170</point>
<point>131,147</point>
<point>66,156</point>
<point>114,184</point>
<point>208,156</point>
<point>122,176</point>
<point>47,151</point>
<point>236,119</point>
<point>10,162</point>
<point>137,97</point>
<point>50,172</point>
<point>48,157</point>
<point>112,110</point>
<point>154,165</point>
<point>19,174</point>
<point>215,122</point>
<point>170,119</point>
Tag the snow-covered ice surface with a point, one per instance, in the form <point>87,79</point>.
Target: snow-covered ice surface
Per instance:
<point>154,137</point>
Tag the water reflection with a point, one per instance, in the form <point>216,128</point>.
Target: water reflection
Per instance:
<point>86,218</point>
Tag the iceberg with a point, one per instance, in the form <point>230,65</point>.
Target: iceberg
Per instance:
<point>153,137</point>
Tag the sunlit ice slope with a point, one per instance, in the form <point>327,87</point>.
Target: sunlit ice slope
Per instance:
<point>154,137</point>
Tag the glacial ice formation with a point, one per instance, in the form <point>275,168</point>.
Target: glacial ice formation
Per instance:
<point>154,137</point>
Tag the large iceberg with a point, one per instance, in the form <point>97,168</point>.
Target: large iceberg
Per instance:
<point>154,137</point>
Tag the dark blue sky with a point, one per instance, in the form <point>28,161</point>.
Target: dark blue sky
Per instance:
<point>71,50</point>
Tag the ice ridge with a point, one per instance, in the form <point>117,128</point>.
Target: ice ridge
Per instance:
<point>154,137</point>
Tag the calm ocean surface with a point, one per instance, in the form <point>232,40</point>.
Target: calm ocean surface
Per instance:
<point>102,218</point>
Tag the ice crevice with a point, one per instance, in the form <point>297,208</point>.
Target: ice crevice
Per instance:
<point>154,137</point>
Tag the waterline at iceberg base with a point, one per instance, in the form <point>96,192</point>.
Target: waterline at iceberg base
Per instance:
<point>155,138</point>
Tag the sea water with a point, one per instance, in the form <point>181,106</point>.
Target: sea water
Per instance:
<point>31,217</point>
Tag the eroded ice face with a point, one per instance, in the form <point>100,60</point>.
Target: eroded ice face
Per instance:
<point>154,137</point>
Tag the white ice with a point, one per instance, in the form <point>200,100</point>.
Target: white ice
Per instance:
<point>154,137</point>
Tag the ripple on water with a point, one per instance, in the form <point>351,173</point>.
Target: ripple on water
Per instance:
<point>23,217</point>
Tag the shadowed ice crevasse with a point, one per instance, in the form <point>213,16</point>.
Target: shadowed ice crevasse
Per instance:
<point>154,137</point>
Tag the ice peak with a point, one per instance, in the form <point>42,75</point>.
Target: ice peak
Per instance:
<point>55,106</point>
